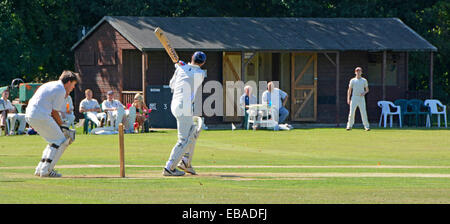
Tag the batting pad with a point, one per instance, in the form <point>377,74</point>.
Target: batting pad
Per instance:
<point>59,153</point>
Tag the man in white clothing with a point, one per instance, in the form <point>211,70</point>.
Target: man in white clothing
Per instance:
<point>357,89</point>
<point>92,109</point>
<point>245,101</point>
<point>185,82</point>
<point>277,99</point>
<point>114,109</point>
<point>42,114</point>
<point>12,114</point>
<point>67,115</point>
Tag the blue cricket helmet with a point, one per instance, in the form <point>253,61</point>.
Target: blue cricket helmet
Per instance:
<point>199,57</point>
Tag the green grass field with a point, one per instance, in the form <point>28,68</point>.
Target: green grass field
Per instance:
<point>300,166</point>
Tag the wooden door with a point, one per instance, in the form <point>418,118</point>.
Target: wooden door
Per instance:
<point>231,72</point>
<point>132,70</point>
<point>304,87</point>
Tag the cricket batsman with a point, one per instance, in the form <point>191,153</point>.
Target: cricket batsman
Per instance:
<point>42,114</point>
<point>184,84</point>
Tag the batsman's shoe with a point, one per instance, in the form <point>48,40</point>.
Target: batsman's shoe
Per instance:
<point>54,173</point>
<point>37,173</point>
<point>187,169</point>
<point>173,172</point>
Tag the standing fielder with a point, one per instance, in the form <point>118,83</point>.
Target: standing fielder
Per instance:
<point>42,114</point>
<point>357,88</point>
<point>185,82</point>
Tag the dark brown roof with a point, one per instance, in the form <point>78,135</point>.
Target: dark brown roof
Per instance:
<point>269,34</point>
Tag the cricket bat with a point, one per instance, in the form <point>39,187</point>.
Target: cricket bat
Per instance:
<point>165,42</point>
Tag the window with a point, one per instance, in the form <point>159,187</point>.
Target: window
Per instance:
<point>373,73</point>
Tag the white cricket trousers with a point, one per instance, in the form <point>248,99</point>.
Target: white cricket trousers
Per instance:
<point>116,117</point>
<point>357,102</point>
<point>96,117</point>
<point>12,120</point>
<point>184,125</point>
<point>47,128</point>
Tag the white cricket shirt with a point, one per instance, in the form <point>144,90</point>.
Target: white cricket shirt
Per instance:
<point>186,75</point>
<point>358,86</point>
<point>50,96</point>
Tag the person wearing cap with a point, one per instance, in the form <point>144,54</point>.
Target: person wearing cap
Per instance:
<point>184,84</point>
<point>90,106</point>
<point>357,88</point>
<point>115,110</point>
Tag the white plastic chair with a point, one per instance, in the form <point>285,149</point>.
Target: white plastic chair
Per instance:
<point>252,116</point>
<point>386,110</point>
<point>267,117</point>
<point>433,104</point>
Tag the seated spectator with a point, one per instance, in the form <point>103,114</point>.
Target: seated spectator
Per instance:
<point>277,99</point>
<point>114,109</point>
<point>141,111</point>
<point>92,109</point>
<point>246,99</point>
<point>3,117</point>
<point>11,114</point>
<point>67,116</point>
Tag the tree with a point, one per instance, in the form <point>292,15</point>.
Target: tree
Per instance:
<point>36,35</point>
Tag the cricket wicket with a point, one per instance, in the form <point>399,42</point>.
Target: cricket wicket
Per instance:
<point>121,151</point>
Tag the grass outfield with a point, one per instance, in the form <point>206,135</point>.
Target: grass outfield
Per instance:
<point>324,165</point>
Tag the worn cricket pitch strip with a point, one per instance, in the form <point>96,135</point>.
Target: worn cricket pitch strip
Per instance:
<point>258,175</point>
<point>241,166</point>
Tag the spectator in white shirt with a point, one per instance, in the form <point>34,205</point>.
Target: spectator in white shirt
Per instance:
<point>245,101</point>
<point>92,109</point>
<point>12,115</point>
<point>277,99</point>
<point>114,109</point>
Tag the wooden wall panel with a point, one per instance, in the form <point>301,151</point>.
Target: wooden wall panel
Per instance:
<point>98,59</point>
<point>349,61</point>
